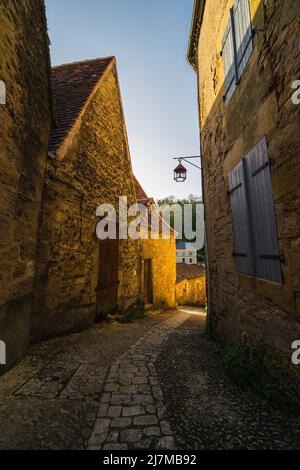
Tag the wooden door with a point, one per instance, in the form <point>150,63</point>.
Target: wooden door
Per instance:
<point>107,290</point>
<point>148,289</point>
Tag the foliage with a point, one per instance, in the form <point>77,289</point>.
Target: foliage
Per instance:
<point>191,200</point>
<point>251,366</point>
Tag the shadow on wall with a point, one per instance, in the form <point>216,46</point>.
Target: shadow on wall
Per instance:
<point>234,118</point>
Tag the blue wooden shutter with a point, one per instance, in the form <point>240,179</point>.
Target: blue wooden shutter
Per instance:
<point>243,33</point>
<point>264,229</point>
<point>229,64</point>
<point>243,250</point>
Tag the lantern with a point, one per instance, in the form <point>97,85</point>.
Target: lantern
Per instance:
<point>180,173</point>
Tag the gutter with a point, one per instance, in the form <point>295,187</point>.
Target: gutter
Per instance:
<point>198,12</point>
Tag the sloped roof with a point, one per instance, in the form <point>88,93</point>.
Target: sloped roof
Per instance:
<point>140,193</point>
<point>189,271</point>
<point>142,198</point>
<point>72,86</point>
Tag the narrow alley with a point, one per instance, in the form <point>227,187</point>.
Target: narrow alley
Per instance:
<point>157,383</point>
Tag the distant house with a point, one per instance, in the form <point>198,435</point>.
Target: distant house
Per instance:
<point>185,252</point>
<point>158,260</point>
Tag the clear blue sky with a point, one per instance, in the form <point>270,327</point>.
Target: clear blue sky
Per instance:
<point>149,39</point>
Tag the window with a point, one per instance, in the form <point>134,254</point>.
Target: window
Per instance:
<point>237,45</point>
<point>255,232</point>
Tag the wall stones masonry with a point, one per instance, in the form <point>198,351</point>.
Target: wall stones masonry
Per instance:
<point>191,292</point>
<point>163,255</point>
<point>25,122</point>
<point>264,312</point>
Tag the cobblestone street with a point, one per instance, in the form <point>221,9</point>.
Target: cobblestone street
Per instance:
<point>154,384</point>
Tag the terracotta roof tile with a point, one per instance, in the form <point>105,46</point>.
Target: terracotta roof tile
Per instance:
<point>189,271</point>
<point>72,85</point>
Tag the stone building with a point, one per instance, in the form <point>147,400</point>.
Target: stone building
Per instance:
<point>246,55</point>
<point>63,152</point>
<point>25,122</point>
<point>190,285</point>
<point>185,252</point>
<point>159,261</point>
<point>79,278</point>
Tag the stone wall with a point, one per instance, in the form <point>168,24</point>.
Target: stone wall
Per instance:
<point>242,307</point>
<point>163,255</point>
<point>25,122</point>
<point>191,292</point>
<point>92,167</point>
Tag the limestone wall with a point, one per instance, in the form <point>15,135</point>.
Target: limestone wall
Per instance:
<point>191,292</point>
<point>163,256</point>
<point>25,122</point>
<point>264,312</point>
<point>92,167</point>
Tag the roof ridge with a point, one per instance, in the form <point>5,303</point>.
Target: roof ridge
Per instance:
<point>86,61</point>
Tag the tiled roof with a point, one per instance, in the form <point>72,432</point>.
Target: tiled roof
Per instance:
<point>72,85</point>
<point>189,271</point>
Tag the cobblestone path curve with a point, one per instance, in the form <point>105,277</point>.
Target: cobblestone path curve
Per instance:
<point>158,383</point>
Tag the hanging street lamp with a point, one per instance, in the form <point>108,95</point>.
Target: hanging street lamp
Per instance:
<point>180,172</point>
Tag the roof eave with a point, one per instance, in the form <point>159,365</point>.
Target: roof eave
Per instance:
<point>197,18</point>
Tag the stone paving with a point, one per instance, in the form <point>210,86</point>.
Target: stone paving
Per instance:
<point>132,408</point>
<point>205,408</point>
<point>50,400</point>
<point>158,383</point>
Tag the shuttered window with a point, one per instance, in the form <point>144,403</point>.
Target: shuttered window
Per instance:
<point>267,256</point>
<point>253,212</point>
<point>243,251</point>
<point>229,63</point>
<point>237,45</point>
<point>243,34</point>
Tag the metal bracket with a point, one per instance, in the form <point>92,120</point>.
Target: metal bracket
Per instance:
<point>234,189</point>
<point>273,257</point>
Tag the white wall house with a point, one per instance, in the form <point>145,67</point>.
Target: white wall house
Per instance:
<point>186,253</point>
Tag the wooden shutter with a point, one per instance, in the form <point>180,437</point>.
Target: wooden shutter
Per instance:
<point>264,229</point>
<point>243,250</point>
<point>243,33</point>
<point>228,59</point>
